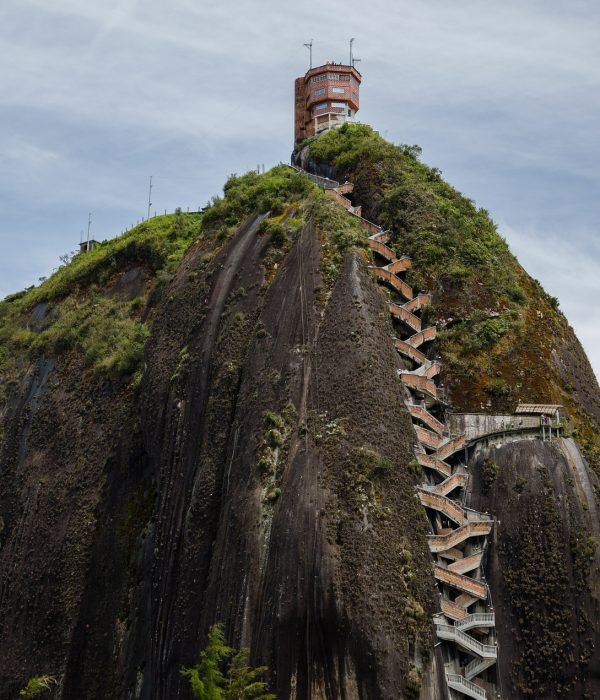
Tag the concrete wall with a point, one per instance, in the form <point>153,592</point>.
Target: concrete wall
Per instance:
<point>474,425</point>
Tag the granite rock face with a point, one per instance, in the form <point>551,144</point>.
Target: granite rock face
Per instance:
<point>259,482</point>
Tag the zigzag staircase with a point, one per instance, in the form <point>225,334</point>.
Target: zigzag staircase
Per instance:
<point>465,624</point>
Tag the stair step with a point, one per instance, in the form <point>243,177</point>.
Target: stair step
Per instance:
<point>422,414</point>
<point>428,437</point>
<point>443,541</point>
<point>409,318</point>
<point>476,620</point>
<point>451,447</point>
<point>394,281</point>
<point>452,634</point>
<point>453,553</point>
<point>379,247</point>
<point>462,685</point>
<point>466,564</point>
<point>423,336</point>
<point>407,350</point>
<point>423,384</point>
<point>465,600</point>
<point>450,609</point>
<point>401,265</point>
<point>477,667</point>
<point>434,463</point>
<point>442,504</point>
<point>418,302</point>
<point>460,582</point>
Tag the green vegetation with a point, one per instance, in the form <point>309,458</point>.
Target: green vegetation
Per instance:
<point>107,330</point>
<point>583,549</point>
<point>252,193</point>
<point>277,430</point>
<point>338,232</point>
<point>413,683</point>
<point>535,566</point>
<point>158,243</point>
<point>36,686</point>
<point>453,244</point>
<point>221,673</point>
<point>489,471</point>
<point>485,305</point>
<point>182,360</point>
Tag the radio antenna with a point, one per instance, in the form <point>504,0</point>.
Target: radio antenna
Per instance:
<point>309,47</point>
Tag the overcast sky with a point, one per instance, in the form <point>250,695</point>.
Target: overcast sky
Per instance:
<point>503,97</point>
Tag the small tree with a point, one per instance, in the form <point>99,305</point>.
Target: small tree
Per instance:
<point>37,685</point>
<point>237,680</point>
<point>242,680</point>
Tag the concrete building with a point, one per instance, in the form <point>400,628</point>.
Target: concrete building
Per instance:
<point>325,97</point>
<point>87,246</point>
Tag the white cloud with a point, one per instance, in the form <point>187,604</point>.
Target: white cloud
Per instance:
<point>28,155</point>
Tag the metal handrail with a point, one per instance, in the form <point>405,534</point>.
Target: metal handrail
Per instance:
<point>485,619</point>
<point>487,651</point>
<point>462,681</point>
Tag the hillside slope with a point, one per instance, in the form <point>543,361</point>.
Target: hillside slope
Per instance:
<point>202,422</point>
<point>238,480</point>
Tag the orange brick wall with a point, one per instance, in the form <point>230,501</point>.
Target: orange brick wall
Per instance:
<point>305,98</point>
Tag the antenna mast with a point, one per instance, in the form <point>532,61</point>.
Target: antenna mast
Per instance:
<point>353,60</point>
<point>88,236</point>
<point>309,47</point>
<point>149,196</point>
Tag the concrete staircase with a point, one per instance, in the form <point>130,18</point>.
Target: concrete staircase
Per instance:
<point>421,413</point>
<point>462,685</point>
<point>466,642</point>
<point>452,544</point>
<point>459,534</point>
<point>455,481</point>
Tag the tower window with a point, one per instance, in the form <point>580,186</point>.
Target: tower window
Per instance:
<point>338,91</point>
